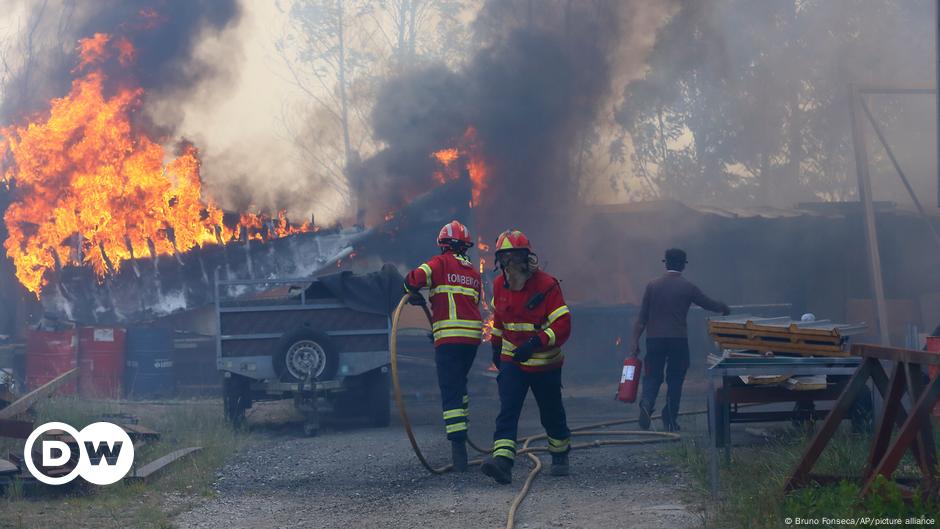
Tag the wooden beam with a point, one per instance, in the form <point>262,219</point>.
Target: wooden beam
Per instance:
<point>825,433</point>
<point>907,435</point>
<point>925,449</point>
<point>156,465</point>
<point>893,408</point>
<point>860,147</point>
<point>15,429</point>
<point>895,354</point>
<point>26,401</point>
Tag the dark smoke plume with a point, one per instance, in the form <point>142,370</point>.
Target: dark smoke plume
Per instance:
<point>532,92</point>
<point>165,34</point>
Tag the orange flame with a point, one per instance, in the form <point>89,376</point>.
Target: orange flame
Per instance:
<point>469,149</point>
<point>90,189</point>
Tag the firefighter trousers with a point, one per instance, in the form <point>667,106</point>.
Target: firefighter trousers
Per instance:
<point>514,386</point>
<point>453,364</point>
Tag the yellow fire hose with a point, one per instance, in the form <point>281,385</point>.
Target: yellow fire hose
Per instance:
<point>587,430</point>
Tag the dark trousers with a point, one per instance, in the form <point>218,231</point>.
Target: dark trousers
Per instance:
<point>671,355</point>
<point>453,364</point>
<point>514,386</point>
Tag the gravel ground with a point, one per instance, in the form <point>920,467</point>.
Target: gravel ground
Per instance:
<point>369,477</point>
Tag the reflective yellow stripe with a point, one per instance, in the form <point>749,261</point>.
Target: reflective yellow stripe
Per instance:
<point>466,400</point>
<point>558,445</point>
<point>543,358</point>
<point>453,414</point>
<point>504,443</point>
<point>508,347</point>
<point>543,361</point>
<point>451,307</point>
<point>459,427</point>
<point>519,326</point>
<point>496,332</point>
<point>458,333</point>
<point>427,273</point>
<point>443,324</point>
<point>551,337</point>
<point>454,289</point>
<point>551,353</point>
<point>504,452</point>
<point>557,313</point>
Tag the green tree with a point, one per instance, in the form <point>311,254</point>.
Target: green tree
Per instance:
<point>748,100</point>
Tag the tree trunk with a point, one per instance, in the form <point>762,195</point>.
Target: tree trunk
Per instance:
<point>412,28</point>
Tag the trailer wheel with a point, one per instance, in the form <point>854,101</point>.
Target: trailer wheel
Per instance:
<point>305,352</point>
<point>378,388</point>
<point>236,399</point>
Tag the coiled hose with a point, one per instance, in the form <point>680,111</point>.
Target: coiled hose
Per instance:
<point>527,450</point>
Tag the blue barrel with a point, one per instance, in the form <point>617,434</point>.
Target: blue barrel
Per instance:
<point>148,371</point>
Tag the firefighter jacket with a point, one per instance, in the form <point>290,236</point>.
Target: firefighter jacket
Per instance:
<point>455,293</point>
<point>514,323</point>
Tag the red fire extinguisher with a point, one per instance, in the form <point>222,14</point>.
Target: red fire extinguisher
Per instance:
<point>630,379</point>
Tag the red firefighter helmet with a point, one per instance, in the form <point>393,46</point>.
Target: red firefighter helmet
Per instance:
<point>454,234</point>
<point>512,240</point>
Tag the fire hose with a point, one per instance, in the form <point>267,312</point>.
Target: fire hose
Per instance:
<point>529,451</point>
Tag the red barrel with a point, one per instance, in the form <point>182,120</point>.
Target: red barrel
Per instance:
<point>100,361</point>
<point>48,355</point>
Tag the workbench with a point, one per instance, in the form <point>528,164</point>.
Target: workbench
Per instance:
<point>723,401</point>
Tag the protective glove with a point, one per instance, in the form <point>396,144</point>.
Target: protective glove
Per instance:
<point>524,351</point>
<point>496,350</point>
<point>417,299</point>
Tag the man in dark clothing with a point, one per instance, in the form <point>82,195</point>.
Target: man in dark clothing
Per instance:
<point>663,315</point>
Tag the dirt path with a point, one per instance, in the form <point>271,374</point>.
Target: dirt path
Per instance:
<point>370,478</point>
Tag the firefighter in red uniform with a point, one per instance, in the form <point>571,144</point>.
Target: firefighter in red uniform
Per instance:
<point>455,293</point>
<point>530,324</point>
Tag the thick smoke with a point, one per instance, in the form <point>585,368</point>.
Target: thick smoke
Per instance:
<point>532,92</point>
<point>165,34</point>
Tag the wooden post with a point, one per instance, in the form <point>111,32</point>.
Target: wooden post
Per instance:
<point>865,197</point>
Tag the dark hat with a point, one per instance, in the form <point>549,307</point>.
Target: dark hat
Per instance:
<point>675,255</point>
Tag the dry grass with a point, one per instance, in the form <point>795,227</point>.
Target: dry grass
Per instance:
<point>138,505</point>
<point>752,486</point>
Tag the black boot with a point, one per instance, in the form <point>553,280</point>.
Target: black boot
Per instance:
<point>498,468</point>
<point>458,453</point>
<point>645,416</point>
<point>670,422</point>
<point>559,464</point>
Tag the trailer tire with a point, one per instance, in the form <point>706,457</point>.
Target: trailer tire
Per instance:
<point>302,350</point>
<point>236,399</point>
<point>379,389</point>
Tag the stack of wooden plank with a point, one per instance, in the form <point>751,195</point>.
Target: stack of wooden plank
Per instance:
<point>783,335</point>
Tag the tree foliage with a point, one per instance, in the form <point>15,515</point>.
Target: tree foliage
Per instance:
<point>749,100</point>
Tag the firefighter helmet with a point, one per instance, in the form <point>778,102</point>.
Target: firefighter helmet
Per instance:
<point>454,235</point>
<point>512,240</point>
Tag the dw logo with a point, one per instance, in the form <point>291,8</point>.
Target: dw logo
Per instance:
<point>105,453</point>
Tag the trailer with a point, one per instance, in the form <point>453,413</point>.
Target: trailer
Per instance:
<point>323,342</point>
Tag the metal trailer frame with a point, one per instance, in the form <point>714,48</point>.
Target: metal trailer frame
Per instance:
<point>259,369</point>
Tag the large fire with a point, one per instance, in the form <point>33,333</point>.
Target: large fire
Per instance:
<point>470,152</point>
<point>90,188</point>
